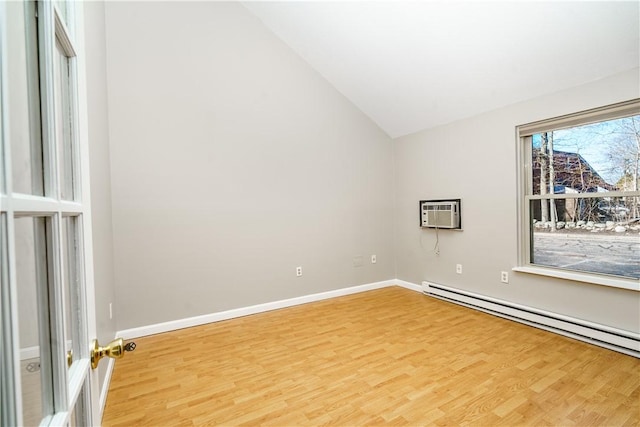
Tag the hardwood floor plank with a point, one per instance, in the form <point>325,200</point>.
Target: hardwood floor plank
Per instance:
<point>384,357</point>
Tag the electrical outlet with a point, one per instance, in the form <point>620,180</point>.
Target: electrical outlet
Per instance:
<point>459,268</point>
<point>504,277</point>
<point>373,259</point>
<point>298,271</point>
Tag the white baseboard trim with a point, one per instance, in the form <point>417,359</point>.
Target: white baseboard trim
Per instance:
<point>105,385</point>
<point>34,352</point>
<point>254,309</point>
<point>408,285</point>
<point>30,353</point>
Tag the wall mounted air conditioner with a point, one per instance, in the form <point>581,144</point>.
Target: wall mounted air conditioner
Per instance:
<point>440,213</point>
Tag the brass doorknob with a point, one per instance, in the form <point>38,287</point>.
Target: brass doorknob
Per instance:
<point>115,349</point>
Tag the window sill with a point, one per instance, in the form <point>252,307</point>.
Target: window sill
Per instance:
<point>614,282</point>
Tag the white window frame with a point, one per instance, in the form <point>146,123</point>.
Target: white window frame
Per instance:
<point>525,192</point>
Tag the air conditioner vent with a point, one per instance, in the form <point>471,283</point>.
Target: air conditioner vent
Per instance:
<point>440,213</point>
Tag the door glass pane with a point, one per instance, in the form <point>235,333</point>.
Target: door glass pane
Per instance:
<point>79,414</point>
<point>71,290</point>
<point>64,123</point>
<point>31,276</point>
<point>26,148</point>
<point>61,6</point>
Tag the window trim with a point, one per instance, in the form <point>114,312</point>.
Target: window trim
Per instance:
<point>601,114</point>
<point>586,277</point>
<point>524,192</point>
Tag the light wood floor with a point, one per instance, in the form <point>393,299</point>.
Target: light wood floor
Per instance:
<point>384,357</point>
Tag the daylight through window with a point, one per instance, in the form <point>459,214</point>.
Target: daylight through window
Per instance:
<point>581,204</point>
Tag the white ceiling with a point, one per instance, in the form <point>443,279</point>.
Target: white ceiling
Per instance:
<point>412,65</point>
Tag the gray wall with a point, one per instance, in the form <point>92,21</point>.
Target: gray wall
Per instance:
<point>233,162</point>
<point>100,170</point>
<point>475,159</point>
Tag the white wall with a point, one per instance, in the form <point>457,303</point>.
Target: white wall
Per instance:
<point>233,162</point>
<point>98,126</point>
<point>475,159</point>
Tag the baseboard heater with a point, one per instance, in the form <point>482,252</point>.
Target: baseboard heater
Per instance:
<point>604,336</point>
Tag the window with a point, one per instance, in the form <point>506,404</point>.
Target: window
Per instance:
<point>580,199</point>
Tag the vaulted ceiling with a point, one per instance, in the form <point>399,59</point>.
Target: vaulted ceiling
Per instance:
<point>412,65</point>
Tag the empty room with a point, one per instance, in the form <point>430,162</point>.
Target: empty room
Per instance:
<point>338,213</point>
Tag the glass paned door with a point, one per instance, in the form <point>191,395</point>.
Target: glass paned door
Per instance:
<point>46,322</point>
